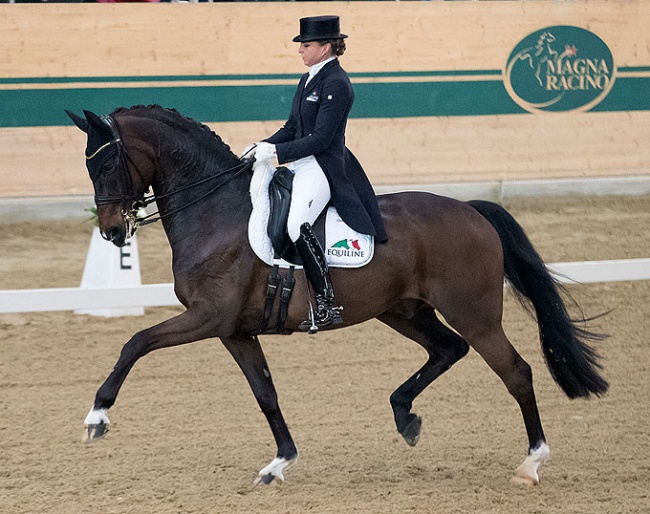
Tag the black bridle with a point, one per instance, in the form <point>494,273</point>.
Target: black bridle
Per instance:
<point>122,157</point>
<point>139,201</point>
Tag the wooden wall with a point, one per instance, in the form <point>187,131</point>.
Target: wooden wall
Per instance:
<point>104,41</point>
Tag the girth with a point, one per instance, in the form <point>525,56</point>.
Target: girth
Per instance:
<point>284,284</point>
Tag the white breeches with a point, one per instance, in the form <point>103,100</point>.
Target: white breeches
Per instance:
<point>309,196</point>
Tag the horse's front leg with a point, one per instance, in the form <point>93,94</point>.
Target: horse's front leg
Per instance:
<point>249,355</point>
<point>192,325</point>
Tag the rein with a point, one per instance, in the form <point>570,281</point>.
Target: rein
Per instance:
<point>238,170</point>
<point>141,201</point>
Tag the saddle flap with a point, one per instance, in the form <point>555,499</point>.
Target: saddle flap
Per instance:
<point>280,189</point>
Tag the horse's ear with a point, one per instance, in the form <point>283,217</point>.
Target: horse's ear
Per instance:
<point>78,121</point>
<point>93,119</point>
<point>97,123</point>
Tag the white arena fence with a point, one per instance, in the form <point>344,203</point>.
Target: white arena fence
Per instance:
<point>159,295</point>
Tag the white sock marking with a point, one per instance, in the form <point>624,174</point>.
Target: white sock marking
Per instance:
<point>97,417</point>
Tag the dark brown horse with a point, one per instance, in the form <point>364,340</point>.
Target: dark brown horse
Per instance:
<point>443,256</point>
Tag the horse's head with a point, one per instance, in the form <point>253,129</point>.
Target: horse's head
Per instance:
<point>545,39</point>
<point>120,178</point>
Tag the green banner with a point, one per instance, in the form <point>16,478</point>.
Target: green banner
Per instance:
<point>41,102</point>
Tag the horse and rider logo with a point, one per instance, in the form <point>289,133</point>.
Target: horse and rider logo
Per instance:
<point>560,68</point>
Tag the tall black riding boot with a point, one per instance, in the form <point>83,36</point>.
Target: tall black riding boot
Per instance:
<point>317,272</point>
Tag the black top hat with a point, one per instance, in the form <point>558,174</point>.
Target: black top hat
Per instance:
<point>319,28</point>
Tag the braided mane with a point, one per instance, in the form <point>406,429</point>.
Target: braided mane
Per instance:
<point>173,118</point>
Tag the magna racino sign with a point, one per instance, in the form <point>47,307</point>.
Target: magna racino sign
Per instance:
<point>558,69</point>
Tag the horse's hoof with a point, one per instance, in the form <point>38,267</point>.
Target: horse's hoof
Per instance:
<point>264,479</point>
<point>526,474</point>
<point>94,432</point>
<point>525,481</point>
<point>411,432</point>
<point>274,471</point>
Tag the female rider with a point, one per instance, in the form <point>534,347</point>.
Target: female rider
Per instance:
<point>312,145</point>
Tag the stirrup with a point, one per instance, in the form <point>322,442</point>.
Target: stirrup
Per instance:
<point>323,317</point>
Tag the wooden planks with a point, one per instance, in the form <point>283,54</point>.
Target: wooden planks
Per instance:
<point>133,40</point>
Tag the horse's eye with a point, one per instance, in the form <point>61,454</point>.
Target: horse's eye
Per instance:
<point>108,165</point>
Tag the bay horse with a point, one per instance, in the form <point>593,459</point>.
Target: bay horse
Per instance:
<point>443,258</point>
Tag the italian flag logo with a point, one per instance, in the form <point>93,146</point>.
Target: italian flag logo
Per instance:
<point>347,244</point>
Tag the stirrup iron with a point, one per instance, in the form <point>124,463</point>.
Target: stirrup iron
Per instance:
<point>313,327</point>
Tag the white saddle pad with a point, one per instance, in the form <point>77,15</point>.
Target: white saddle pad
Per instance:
<point>344,247</point>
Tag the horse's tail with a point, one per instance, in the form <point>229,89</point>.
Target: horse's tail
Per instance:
<point>572,362</point>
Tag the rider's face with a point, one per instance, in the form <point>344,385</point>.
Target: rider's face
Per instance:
<point>312,52</point>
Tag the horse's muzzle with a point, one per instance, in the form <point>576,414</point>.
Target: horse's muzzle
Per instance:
<point>114,225</point>
<point>116,235</point>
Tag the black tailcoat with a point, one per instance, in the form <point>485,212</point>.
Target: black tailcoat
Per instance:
<point>316,126</point>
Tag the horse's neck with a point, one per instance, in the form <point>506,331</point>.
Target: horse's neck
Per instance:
<point>196,192</point>
<point>206,212</point>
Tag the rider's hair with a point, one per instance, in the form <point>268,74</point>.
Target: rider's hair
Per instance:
<point>338,46</point>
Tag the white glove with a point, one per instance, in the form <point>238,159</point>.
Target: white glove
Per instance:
<point>248,152</point>
<point>264,152</point>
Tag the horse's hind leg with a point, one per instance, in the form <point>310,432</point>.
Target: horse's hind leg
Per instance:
<point>248,354</point>
<point>444,347</point>
<point>493,345</point>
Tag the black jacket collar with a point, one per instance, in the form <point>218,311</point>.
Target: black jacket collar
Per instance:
<point>319,77</point>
